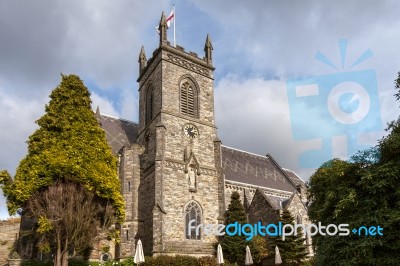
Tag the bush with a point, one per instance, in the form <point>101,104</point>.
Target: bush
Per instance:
<point>164,260</point>
<point>127,262</point>
<point>36,263</point>
<point>208,261</point>
<point>179,260</point>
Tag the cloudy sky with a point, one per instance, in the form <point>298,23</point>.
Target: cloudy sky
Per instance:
<point>261,48</point>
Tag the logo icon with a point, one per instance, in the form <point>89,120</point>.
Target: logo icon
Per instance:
<point>335,110</point>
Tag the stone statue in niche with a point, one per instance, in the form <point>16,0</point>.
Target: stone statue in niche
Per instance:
<point>192,178</point>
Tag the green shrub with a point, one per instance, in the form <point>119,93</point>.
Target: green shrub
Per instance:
<point>127,262</point>
<point>162,260</point>
<point>179,260</point>
<point>208,261</point>
<point>36,263</point>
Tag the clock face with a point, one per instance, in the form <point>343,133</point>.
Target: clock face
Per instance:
<point>190,131</point>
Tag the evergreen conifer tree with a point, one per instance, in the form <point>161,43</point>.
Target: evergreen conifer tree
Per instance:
<point>234,247</point>
<point>68,147</point>
<point>293,250</point>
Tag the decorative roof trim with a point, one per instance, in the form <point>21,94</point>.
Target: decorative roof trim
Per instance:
<point>258,187</point>
<point>187,56</point>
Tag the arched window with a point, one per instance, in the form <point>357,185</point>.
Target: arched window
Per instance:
<point>188,98</point>
<point>192,220</point>
<point>149,104</point>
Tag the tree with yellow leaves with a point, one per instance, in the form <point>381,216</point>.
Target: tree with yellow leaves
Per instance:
<point>68,153</point>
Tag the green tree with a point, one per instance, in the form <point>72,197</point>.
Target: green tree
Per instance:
<point>293,250</point>
<point>68,147</point>
<point>362,192</point>
<point>397,86</point>
<point>258,246</point>
<point>234,247</point>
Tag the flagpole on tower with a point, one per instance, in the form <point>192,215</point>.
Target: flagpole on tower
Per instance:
<point>174,25</point>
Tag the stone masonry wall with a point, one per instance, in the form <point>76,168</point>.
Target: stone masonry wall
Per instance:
<point>261,210</point>
<point>164,187</point>
<point>297,208</point>
<point>9,232</point>
<point>179,150</point>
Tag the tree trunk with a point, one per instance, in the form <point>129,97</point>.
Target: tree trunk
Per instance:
<point>64,255</point>
<point>57,259</point>
<point>64,259</point>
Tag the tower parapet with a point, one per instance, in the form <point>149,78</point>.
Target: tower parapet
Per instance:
<point>177,55</point>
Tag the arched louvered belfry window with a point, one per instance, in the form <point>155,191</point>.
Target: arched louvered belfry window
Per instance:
<point>149,104</point>
<point>188,98</point>
<point>192,220</point>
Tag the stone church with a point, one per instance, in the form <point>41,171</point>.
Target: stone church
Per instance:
<point>173,167</point>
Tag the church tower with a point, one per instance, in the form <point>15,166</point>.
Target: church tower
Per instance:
<point>180,168</point>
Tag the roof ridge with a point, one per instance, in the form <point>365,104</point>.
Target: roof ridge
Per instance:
<point>250,153</point>
<point>121,119</point>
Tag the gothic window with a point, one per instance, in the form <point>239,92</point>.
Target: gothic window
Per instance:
<point>129,186</point>
<point>192,220</point>
<point>188,98</point>
<point>149,104</point>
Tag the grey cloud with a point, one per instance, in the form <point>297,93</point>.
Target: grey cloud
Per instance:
<point>253,115</point>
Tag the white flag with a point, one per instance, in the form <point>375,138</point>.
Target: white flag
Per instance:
<point>170,18</point>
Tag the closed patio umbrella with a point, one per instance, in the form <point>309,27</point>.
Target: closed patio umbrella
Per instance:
<point>220,256</point>
<point>278,259</point>
<point>249,259</point>
<point>139,256</point>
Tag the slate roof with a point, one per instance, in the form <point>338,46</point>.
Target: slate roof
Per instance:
<point>248,168</point>
<point>294,177</point>
<point>119,132</point>
<point>276,202</point>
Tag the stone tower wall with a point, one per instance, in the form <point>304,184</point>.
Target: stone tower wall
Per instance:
<point>164,187</point>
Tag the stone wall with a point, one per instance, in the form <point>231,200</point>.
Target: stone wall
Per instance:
<point>9,232</point>
<point>299,213</point>
<point>261,210</point>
